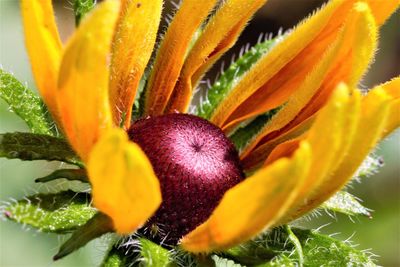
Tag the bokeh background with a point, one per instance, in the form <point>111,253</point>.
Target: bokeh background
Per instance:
<point>26,247</point>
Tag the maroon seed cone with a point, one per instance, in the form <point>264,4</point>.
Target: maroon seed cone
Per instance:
<point>195,163</point>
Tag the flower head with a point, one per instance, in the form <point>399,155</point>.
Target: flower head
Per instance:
<point>300,125</point>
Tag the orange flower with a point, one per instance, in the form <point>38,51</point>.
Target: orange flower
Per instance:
<point>308,150</point>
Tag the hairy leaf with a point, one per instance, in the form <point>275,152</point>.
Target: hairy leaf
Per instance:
<point>344,202</point>
<point>81,8</point>
<point>115,258</point>
<point>280,247</point>
<point>97,226</point>
<point>28,146</point>
<point>154,255</point>
<point>370,166</point>
<point>57,213</point>
<point>26,104</point>
<point>229,77</point>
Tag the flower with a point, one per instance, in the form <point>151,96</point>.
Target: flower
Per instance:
<point>321,130</point>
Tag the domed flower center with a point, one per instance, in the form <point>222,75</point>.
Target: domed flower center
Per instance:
<point>195,163</point>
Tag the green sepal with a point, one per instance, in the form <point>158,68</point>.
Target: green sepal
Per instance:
<point>226,82</point>
<point>154,255</point>
<point>69,174</point>
<point>97,226</point>
<point>247,131</point>
<point>370,166</point>
<point>55,213</point>
<point>81,8</point>
<point>345,203</point>
<point>26,104</point>
<point>29,146</point>
<point>116,257</point>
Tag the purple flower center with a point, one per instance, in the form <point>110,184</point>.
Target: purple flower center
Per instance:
<point>195,163</point>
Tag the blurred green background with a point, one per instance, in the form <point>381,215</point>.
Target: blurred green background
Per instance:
<point>26,247</point>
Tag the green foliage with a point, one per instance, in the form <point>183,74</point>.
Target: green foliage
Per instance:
<point>26,104</point>
<point>245,133</point>
<point>97,226</point>
<point>81,8</point>
<point>115,258</point>
<point>154,255</point>
<point>69,174</point>
<point>226,82</point>
<point>284,246</point>
<point>28,146</point>
<point>56,213</point>
<point>344,202</point>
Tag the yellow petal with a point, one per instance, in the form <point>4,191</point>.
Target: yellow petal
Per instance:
<point>83,83</point>
<point>253,205</point>
<point>131,51</point>
<point>278,74</point>
<point>355,45</point>
<point>374,112</point>
<point>172,53</point>
<point>219,35</point>
<point>329,138</point>
<point>393,121</point>
<point>124,185</point>
<point>44,48</point>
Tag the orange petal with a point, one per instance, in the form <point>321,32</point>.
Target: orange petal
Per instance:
<point>83,80</point>
<point>44,48</point>
<point>172,53</point>
<point>355,45</point>
<point>132,47</point>
<point>374,112</point>
<point>279,73</point>
<point>253,205</point>
<point>219,35</point>
<point>124,185</point>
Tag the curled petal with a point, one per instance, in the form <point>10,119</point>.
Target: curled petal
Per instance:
<point>251,206</point>
<point>44,48</point>
<point>374,113</point>
<point>172,53</point>
<point>356,43</point>
<point>132,47</point>
<point>219,35</point>
<point>279,73</point>
<point>124,185</point>
<point>83,79</point>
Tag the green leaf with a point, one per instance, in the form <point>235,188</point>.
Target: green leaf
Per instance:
<point>154,255</point>
<point>116,258</point>
<point>29,146</point>
<point>81,8</point>
<point>285,246</point>
<point>229,77</point>
<point>56,213</point>
<point>97,226</point>
<point>26,104</point>
<point>249,130</point>
<point>344,202</point>
<point>69,174</point>
<point>321,250</point>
